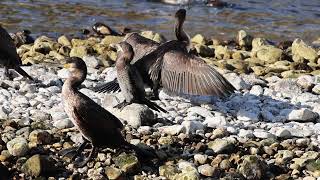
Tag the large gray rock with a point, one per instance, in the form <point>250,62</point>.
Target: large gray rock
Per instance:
<point>216,121</point>
<point>39,165</point>
<point>302,115</point>
<point>221,145</point>
<point>288,87</point>
<point>252,167</point>
<point>191,127</point>
<point>134,114</point>
<point>269,54</point>
<point>300,51</point>
<point>244,39</point>
<point>18,146</point>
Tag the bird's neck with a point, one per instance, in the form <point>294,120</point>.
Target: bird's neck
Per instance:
<point>181,35</point>
<point>73,83</point>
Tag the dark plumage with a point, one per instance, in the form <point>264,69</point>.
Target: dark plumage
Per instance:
<point>141,47</point>
<point>178,71</point>
<point>8,55</point>
<point>97,125</point>
<point>181,72</point>
<point>129,79</point>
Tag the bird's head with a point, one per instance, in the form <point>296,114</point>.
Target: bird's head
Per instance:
<point>76,66</point>
<point>181,15</point>
<point>124,49</point>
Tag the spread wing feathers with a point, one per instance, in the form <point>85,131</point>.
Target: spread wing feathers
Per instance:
<point>187,74</point>
<point>141,45</point>
<point>112,86</point>
<point>95,116</point>
<point>7,45</point>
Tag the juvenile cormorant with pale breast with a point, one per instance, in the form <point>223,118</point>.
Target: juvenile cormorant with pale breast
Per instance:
<point>130,80</point>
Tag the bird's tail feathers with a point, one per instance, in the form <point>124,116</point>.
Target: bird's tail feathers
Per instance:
<point>153,105</point>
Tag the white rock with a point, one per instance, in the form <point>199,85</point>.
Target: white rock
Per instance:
<point>305,81</point>
<point>302,115</point>
<point>248,115</point>
<point>3,113</point>
<point>18,146</point>
<point>300,132</point>
<point>63,123</point>
<point>58,115</point>
<point>200,158</point>
<point>237,81</point>
<point>192,126</point>
<point>144,130</point>
<point>171,130</point>
<point>245,133</point>
<point>283,133</point>
<point>134,114</point>
<point>263,134</point>
<point>316,89</point>
<point>215,121</point>
<point>206,170</point>
<point>91,61</point>
<point>196,110</point>
<point>256,90</point>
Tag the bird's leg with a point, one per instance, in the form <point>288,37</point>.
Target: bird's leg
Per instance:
<point>155,90</point>
<point>74,151</point>
<point>6,73</point>
<point>83,163</point>
<point>122,105</point>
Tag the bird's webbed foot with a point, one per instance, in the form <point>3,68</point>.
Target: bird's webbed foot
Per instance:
<point>122,105</point>
<point>80,164</point>
<point>73,152</point>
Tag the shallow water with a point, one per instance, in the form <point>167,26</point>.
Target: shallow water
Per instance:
<point>274,19</point>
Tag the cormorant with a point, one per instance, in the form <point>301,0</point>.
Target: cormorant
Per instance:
<point>130,80</point>
<point>97,125</point>
<point>8,55</point>
<point>178,71</point>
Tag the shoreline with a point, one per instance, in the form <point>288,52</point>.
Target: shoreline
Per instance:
<point>268,129</point>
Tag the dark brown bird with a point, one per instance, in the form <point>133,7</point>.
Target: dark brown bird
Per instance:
<point>130,80</point>
<point>97,125</point>
<point>104,30</point>
<point>8,55</point>
<point>141,47</point>
<point>179,71</point>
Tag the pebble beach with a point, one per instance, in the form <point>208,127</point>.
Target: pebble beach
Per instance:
<point>268,129</point>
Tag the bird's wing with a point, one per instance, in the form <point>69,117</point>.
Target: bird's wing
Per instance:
<point>188,74</point>
<point>7,45</point>
<point>95,116</point>
<point>109,87</point>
